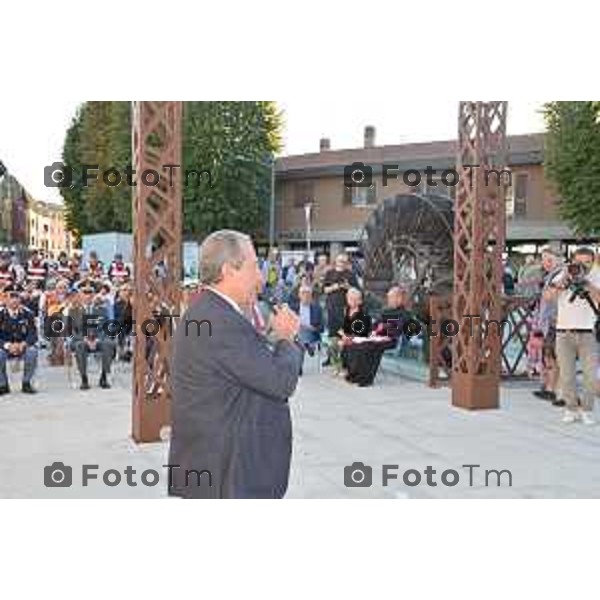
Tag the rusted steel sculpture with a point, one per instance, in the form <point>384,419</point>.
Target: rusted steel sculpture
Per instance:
<point>449,254</point>
<point>479,240</point>
<point>157,221</point>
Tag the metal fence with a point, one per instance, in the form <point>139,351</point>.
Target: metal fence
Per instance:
<point>518,312</point>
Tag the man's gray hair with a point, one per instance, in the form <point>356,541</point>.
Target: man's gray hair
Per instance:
<point>221,247</point>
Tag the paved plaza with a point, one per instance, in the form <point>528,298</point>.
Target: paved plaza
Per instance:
<point>396,422</point>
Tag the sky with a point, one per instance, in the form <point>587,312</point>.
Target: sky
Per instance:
<point>31,139</point>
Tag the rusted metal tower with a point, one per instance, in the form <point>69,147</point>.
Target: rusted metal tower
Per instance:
<point>157,219</point>
<point>479,240</point>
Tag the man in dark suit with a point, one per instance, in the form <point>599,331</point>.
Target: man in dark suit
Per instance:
<point>311,318</point>
<point>89,335</point>
<point>231,431</point>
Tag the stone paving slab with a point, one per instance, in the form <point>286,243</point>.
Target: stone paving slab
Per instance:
<point>398,422</point>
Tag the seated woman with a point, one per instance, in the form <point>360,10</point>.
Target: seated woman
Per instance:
<point>357,323</point>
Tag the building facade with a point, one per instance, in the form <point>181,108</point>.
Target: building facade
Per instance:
<point>339,213</point>
<point>47,228</point>
<point>13,209</point>
<point>27,224</point>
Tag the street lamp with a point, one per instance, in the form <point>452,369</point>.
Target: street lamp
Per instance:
<point>272,206</point>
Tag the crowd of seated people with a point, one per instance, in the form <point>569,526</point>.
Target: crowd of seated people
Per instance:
<point>327,297</point>
<point>62,305</point>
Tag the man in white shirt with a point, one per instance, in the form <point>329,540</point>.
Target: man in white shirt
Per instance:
<point>575,337</point>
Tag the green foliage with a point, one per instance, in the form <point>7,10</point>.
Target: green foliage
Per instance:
<point>99,135</point>
<point>234,141</point>
<point>572,162</point>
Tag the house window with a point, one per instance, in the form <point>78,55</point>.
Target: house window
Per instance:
<point>360,196</point>
<point>509,202</point>
<point>304,193</point>
<point>520,195</point>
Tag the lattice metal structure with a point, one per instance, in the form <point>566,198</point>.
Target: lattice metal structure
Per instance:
<point>157,216</point>
<point>479,240</point>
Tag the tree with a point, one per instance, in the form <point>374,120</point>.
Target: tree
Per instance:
<point>572,162</point>
<point>228,149</point>
<point>75,217</point>
<point>99,135</point>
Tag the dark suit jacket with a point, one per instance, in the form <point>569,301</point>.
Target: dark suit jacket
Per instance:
<point>316,314</point>
<point>230,413</point>
<point>90,326</point>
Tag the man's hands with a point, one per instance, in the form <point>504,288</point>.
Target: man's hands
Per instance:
<point>334,287</point>
<point>16,348</point>
<point>90,342</point>
<point>285,323</point>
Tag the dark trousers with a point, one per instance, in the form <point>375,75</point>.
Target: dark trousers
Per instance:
<point>362,361</point>
<point>105,348</point>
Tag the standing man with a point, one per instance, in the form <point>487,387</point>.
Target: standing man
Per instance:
<point>37,270</point>
<point>119,272</point>
<point>577,290</point>
<point>231,429</point>
<point>95,267</point>
<point>336,283</point>
<point>320,271</point>
<point>63,268</point>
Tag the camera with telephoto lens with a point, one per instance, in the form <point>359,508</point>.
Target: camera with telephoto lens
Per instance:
<point>577,271</point>
<point>576,278</point>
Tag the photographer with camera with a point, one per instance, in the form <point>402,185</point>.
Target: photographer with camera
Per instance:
<point>576,289</point>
